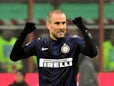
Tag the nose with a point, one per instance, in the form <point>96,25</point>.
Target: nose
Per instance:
<point>61,26</point>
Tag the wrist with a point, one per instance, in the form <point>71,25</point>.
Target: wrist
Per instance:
<point>87,34</point>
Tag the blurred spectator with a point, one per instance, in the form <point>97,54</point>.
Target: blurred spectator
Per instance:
<point>88,72</point>
<point>20,79</point>
<point>7,41</point>
<point>108,60</point>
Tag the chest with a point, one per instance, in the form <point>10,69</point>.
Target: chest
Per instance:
<point>56,50</point>
<point>55,55</point>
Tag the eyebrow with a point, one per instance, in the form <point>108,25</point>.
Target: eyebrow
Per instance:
<point>60,22</point>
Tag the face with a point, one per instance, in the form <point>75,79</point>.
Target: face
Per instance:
<point>7,34</point>
<point>19,77</point>
<point>57,26</point>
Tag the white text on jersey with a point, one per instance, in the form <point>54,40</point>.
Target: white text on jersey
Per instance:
<point>55,63</point>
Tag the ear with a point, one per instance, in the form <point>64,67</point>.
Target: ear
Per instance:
<point>47,25</point>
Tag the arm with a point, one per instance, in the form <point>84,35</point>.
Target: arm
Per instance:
<point>90,49</point>
<point>18,51</point>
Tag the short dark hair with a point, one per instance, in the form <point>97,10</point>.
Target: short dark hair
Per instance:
<point>22,72</point>
<point>52,12</point>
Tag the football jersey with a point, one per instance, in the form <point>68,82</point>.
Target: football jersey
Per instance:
<point>57,59</point>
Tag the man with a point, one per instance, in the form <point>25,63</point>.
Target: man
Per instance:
<point>7,41</point>
<point>108,60</point>
<point>57,55</point>
<point>87,71</point>
<point>20,79</point>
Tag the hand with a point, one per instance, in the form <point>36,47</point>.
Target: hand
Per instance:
<point>79,23</point>
<point>29,27</point>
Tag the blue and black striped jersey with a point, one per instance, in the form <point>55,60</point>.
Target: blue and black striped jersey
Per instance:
<point>57,60</point>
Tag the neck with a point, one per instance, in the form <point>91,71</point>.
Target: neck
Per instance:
<point>52,37</point>
<point>59,40</point>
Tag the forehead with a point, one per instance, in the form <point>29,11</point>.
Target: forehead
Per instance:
<point>58,17</point>
<point>19,73</point>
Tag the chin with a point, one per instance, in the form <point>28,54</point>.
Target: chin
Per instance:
<point>61,36</point>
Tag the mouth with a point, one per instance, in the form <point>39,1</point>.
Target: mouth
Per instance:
<point>61,32</point>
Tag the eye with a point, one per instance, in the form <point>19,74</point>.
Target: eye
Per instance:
<point>63,22</point>
<point>57,23</point>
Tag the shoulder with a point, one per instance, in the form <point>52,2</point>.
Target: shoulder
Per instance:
<point>76,38</point>
<point>38,41</point>
<point>107,42</point>
<point>107,45</point>
<point>13,84</point>
<point>1,39</point>
<point>25,84</point>
<point>32,43</point>
<point>41,39</point>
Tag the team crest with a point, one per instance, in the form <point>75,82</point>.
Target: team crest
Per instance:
<point>65,48</point>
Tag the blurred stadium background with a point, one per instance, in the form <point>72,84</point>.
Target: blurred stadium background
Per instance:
<point>98,15</point>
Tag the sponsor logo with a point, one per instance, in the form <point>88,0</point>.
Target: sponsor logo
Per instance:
<point>28,43</point>
<point>55,63</point>
<point>43,49</point>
